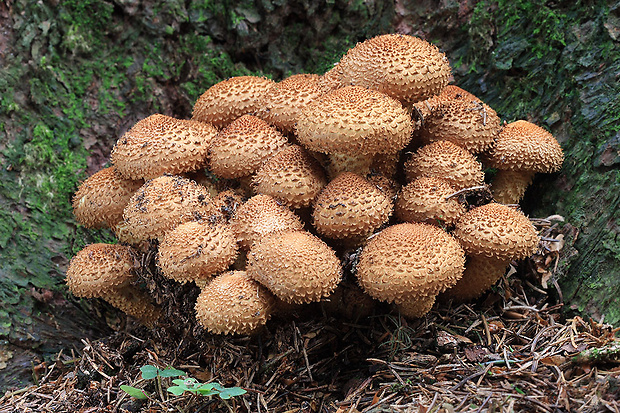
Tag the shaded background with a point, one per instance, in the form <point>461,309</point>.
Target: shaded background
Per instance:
<point>75,75</point>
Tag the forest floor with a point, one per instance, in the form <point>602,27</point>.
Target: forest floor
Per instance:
<point>513,350</point>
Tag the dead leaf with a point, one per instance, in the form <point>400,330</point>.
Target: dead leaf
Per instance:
<point>556,360</point>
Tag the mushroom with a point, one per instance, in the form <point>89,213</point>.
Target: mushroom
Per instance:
<point>522,149</point>
<point>243,146</point>
<point>259,216</point>
<point>427,199</point>
<point>296,266</point>
<point>448,161</point>
<point>229,99</point>
<point>350,208</point>
<point>403,67</point>
<point>165,202</point>
<point>99,201</point>
<point>292,176</point>
<point>233,303</point>
<point>492,235</point>
<point>160,144</point>
<point>409,264</point>
<point>196,251</point>
<point>107,271</point>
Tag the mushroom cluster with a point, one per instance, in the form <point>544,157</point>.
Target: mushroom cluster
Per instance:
<point>271,187</point>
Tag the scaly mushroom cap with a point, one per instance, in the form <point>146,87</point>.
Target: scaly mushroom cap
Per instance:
<point>160,144</point>
<point>496,231</point>
<point>233,303</point>
<point>292,176</point>
<point>473,125</point>
<point>424,200</point>
<point>481,273</point>
<point>445,160</point>
<point>354,120</point>
<point>404,67</point>
<point>350,207</point>
<point>416,307</point>
<point>196,250</point>
<point>227,202</point>
<point>243,146</point>
<point>508,186</point>
<point>165,202</point>
<point>296,266</point>
<point>100,268</point>
<point>339,163</point>
<point>388,186</point>
<point>283,103</point>
<point>259,216</point>
<point>527,147</point>
<point>410,261</point>
<point>425,108</point>
<point>231,98</point>
<point>100,199</point>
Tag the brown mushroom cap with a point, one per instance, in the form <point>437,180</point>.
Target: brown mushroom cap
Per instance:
<point>481,273</point>
<point>296,266</point>
<point>509,186</point>
<point>350,207</point>
<point>354,120</point>
<point>233,303</point>
<point>243,146</point>
<point>165,202</point>
<point>424,200</point>
<point>410,261</point>
<point>100,199</point>
<point>259,216</point>
<point>496,231</point>
<point>196,250</point>
<point>282,103</point>
<point>160,144</point>
<point>448,161</point>
<point>292,176</point>
<point>231,98</point>
<point>416,307</point>
<point>404,67</point>
<point>526,147</point>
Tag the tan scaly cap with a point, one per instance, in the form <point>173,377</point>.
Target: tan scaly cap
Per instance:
<point>231,98</point>
<point>243,146</point>
<point>481,273</point>
<point>160,144</point>
<point>233,303</point>
<point>296,266</point>
<point>356,121</point>
<point>424,200</point>
<point>404,67</point>
<point>100,199</point>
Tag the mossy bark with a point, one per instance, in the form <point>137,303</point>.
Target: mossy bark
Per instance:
<point>76,74</point>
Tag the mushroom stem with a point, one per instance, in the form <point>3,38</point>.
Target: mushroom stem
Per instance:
<point>416,307</point>
<point>481,273</point>
<point>133,302</point>
<point>509,186</point>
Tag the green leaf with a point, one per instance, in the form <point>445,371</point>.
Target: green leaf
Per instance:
<point>206,392</point>
<point>149,372</point>
<point>232,392</point>
<point>171,372</point>
<point>176,390</point>
<point>180,382</point>
<point>134,392</point>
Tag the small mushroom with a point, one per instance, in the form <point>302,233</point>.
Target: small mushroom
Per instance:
<point>233,303</point>
<point>100,200</point>
<point>107,271</point>
<point>230,99</point>
<point>296,266</point>
<point>160,144</point>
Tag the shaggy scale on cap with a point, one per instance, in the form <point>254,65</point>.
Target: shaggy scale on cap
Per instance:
<point>350,207</point>
<point>404,67</point>
<point>424,200</point>
<point>233,303</point>
<point>243,146</point>
<point>282,103</point>
<point>196,250</point>
<point>165,202</point>
<point>296,266</point>
<point>445,160</point>
<point>410,261</point>
<point>231,98</point>
<point>481,273</point>
<point>262,215</point>
<point>292,176</point>
<point>100,200</point>
<point>160,144</point>
<point>356,121</point>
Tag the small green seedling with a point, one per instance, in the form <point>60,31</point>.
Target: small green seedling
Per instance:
<point>181,386</point>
